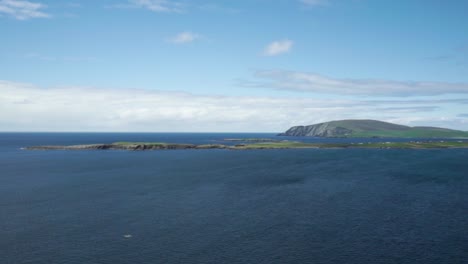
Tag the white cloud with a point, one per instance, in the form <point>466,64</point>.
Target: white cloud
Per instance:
<point>278,47</point>
<point>184,37</point>
<point>158,5</point>
<point>25,107</point>
<point>315,83</point>
<point>315,2</point>
<point>22,10</point>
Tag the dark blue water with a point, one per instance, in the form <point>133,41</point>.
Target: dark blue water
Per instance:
<point>222,206</point>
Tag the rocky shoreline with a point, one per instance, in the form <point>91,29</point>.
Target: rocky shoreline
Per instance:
<point>139,146</point>
<point>114,146</point>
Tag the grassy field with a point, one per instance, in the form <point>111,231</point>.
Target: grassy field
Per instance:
<point>386,145</point>
<point>412,133</point>
<point>259,145</point>
<point>296,144</point>
<point>123,143</point>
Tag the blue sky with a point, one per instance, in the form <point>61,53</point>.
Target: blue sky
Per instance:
<point>256,65</point>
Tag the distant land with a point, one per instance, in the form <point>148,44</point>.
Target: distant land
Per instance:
<point>251,144</point>
<point>371,128</point>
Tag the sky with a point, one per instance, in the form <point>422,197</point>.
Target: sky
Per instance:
<point>230,66</point>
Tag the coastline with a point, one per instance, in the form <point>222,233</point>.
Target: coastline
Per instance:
<point>144,146</point>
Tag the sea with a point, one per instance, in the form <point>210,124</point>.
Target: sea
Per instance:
<point>229,206</point>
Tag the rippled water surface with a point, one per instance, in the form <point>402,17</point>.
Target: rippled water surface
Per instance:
<point>225,206</point>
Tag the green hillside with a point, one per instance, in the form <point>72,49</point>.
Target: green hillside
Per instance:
<point>372,128</point>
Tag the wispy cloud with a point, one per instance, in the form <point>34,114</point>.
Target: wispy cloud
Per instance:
<point>278,47</point>
<point>158,5</point>
<point>184,37</point>
<point>22,10</point>
<point>436,121</point>
<point>315,2</point>
<point>315,83</point>
<point>26,107</point>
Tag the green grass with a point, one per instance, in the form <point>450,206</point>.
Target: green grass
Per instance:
<point>367,125</point>
<point>263,145</point>
<point>272,145</point>
<point>123,143</point>
<point>413,133</point>
<point>211,146</point>
<point>403,145</point>
<point>433,144</point>
<point>296,144</point>
<point>253,139</point>
<point>375,128</point>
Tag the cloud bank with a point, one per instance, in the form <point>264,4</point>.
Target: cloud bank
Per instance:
<point>315,83</point>
<point>278,47</point>
<point>22,10</point>
<point>25,107</point>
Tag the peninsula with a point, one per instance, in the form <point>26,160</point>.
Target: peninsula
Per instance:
<point>135,146</point>
<point>371,128</point>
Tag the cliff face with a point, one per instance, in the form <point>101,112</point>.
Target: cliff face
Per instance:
<point>318,130</point>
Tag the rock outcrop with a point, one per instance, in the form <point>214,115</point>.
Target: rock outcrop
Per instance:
<point>319,130</point>
<point>137,146</point>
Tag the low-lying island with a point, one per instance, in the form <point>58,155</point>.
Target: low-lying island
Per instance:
<point>133,146</point>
